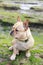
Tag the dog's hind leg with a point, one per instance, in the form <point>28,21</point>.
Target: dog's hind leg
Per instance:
<point>11,48</point>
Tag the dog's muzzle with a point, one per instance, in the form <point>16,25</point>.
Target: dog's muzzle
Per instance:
<point>11,33</point>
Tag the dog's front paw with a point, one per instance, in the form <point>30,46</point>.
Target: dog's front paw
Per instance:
<point>13,57</point>
<point>28,54</point>
<point>11,48</point>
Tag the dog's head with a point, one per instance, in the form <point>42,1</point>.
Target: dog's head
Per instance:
<point>19,28</point>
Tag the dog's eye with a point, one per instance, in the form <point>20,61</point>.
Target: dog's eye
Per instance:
<point>16,30</point>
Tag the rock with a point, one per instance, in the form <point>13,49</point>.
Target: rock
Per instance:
<point>2,60</point>
<point>11,8</point>
<point>40,44</point>
<point>39,55</point>
<point>1,16</point>
<point>5,45</point>
<point>22,61</point>
<point>8,64</point>
<point>36,55</point>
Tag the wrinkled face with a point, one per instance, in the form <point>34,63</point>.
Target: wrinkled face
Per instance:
<point>18,29</point>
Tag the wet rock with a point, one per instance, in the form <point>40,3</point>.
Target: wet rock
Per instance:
<point>39,9</point>
<point>11,8</point>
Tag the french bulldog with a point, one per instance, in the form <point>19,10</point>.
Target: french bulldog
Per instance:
<point>23,39</point>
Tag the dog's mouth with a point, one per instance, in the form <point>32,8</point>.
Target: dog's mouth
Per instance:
<point>11,33</point>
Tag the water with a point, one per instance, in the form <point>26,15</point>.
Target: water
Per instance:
<point>28,6</point>
<point>25,7</point>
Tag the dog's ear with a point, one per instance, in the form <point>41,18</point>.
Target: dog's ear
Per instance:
<point>19,19</point>
<point>25,23</point>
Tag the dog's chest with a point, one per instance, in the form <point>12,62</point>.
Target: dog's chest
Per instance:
<point>22,45</point>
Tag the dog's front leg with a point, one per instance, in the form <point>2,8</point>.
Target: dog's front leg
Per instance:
<point>13,42</point>
<point>15,52</point>
<point>13,55</point>
<point>28,54</point>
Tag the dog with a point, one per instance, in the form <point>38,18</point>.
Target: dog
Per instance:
<point>23,39</point>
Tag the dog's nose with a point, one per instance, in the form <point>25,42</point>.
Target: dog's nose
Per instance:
<point>11,32</point>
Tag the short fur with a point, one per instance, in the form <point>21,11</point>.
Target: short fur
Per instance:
<point>21,32</point>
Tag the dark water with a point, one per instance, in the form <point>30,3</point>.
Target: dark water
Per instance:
<point>6,28</point>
